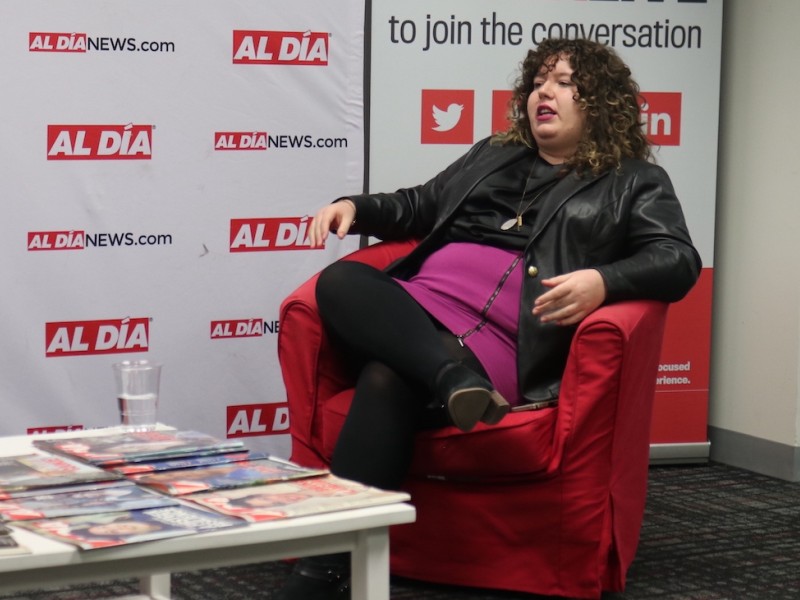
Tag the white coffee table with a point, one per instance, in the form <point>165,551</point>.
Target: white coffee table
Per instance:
<point>363,532</point>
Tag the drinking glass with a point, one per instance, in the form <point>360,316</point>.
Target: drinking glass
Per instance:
<point>137,383</point>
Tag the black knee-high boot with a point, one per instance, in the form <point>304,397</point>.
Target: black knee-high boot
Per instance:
<point>325,577</point>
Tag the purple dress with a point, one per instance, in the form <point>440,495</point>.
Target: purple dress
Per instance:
<point>464,305</point>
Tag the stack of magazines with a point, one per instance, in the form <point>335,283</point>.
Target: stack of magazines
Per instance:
<point>81,494</point>
<point>121,488</point>
<point>139,446</point>
<point>37,485</point>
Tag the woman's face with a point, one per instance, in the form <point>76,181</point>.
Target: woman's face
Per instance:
<point>556,119</point>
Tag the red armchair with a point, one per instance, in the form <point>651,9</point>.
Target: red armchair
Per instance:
<point>547,502</point>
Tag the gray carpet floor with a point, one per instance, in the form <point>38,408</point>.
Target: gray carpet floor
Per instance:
<point>711,532</point>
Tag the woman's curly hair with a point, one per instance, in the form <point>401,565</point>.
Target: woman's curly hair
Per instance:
<point>606,92</point>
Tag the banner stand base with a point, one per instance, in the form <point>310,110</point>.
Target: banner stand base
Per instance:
<point>689,452</point>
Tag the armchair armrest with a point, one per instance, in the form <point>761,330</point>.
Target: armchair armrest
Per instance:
<point>613,360</point>
<point>604,409</point>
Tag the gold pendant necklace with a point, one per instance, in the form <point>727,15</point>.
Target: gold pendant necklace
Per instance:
<point>520,211</point>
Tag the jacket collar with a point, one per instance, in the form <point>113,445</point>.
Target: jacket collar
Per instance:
<point>561,193</point>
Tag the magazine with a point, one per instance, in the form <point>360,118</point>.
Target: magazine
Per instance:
<point>32,471</point>
<point>138,446</point>
<point>232,475</point>
<point>83,502</point>
<point>184,463</point>
<point>296,498</point>
<point>56,489</point>
<point>105,530</point>
<point>9,545</point>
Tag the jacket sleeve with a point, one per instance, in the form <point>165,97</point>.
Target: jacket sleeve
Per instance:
<point>659,261</point>
<point>409,212</point>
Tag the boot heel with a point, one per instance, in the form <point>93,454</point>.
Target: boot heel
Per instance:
<point>467,406</point>
<point>497,408</point>
<point>468,397</point>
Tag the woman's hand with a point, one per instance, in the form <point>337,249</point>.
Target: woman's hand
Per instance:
<point>572,296</point>
<point>338,216</point>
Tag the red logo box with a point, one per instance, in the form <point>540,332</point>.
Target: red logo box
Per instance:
<point>39,41</point>
<point>272,234</point>
<point>237,328</point>
<point>56,240</point>
<point>661,117</point>
<point>99,142</point>
<point>500,107</point>
<point>250,420</point>
<point>280,48</point>
<point>240,140</point>
<point>448,117</point>
<point>109,336</point>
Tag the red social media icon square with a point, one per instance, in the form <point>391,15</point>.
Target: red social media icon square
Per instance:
<point>448,116</point>
<point>661,117</point>
<point>500,110</point>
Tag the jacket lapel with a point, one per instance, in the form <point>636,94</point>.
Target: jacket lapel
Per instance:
<point>560,194</point>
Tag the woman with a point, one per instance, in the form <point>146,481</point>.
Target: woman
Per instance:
<point>520,239</point>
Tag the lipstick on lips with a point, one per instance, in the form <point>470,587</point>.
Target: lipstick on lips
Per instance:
<point>544,112</point>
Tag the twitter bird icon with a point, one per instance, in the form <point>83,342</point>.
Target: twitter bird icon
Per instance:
<point>447,119</point>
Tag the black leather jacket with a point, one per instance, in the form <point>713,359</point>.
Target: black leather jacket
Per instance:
<point>627,224</point>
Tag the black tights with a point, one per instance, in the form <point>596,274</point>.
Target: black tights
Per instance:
<point>398,348</point>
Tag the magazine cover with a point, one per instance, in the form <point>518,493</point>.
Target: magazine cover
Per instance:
<point>185,463</point>
<point>232,475</point>
<point>33,471</point>
<point>296,498</point>
<point>84,502</point>
<point>137,446</point>
<point>105,530</point>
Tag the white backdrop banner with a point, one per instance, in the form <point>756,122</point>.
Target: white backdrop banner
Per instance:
<point>162,159</point>
<point>466,55</point>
